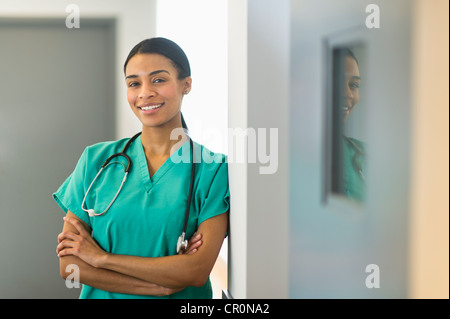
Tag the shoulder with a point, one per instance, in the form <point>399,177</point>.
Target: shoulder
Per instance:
<point>207,159</point>
<point>212,182</point>
<point>95,155</point>
<point>356,144</point>
<point>211,167</point>
<point>105,148</point>
<point>208,155</point>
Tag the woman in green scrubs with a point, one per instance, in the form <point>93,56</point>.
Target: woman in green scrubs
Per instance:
<point>130,250</point>
<point>354,150</point>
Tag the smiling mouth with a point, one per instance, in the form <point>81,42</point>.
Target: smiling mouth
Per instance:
<point>150,107</point>
<point>346,108</point>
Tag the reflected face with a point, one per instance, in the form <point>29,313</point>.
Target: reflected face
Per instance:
<point>352,82</point>
<point>154,91</point>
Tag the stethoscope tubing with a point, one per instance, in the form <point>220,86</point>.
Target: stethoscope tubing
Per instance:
<point>91,212</point>
<point>182,242</point>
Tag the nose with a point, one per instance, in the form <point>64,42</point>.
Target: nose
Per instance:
<point>348,91</point>
<point>147,91</point>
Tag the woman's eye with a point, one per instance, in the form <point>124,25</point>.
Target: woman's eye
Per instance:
<point>158,80</point>
<point>132,84</point>
<point>354,85</point>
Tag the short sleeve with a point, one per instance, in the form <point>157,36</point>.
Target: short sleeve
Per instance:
<point>217,200</point>
<point>70,194</point>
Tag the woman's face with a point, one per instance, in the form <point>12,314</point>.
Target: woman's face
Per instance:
<point>154,91</point>
<point>352,83</point>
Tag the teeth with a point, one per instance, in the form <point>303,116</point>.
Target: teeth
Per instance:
<point>146,108</point>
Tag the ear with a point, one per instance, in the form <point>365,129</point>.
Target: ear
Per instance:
<point>187,85</point>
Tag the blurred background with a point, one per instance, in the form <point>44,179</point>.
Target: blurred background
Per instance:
<point>255,64</point>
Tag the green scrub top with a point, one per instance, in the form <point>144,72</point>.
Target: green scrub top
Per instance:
<point>354,159</point>
<point>147,217</point>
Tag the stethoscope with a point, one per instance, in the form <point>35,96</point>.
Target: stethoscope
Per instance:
<point>182,242</point>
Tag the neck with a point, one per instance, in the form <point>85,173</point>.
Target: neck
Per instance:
<point>157,141</point>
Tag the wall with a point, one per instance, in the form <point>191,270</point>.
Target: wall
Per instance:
<point>332,241</point>
<point>429,225</point>
<point>258,98</point>
<point>237,117</point>
<point>43,102</point>
<point>403,228</point>
<point>134,23</point>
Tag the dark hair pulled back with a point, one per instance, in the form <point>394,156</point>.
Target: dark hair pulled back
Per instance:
<point>165,47</point>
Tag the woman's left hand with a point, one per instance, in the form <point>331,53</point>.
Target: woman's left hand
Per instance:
<point>81,245</point>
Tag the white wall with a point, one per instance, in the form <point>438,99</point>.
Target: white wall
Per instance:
<point>258,98</point>
<point>237,117</point>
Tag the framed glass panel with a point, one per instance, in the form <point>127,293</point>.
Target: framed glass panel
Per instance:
<point>345,147</point>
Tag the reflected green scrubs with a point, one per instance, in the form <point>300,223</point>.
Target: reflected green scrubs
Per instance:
<point>147,217</point>
<point>354,168</point>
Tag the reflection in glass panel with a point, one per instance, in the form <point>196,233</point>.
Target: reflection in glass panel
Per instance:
<point>348,164</point>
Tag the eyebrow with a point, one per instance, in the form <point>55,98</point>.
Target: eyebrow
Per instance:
<point>150,74</point>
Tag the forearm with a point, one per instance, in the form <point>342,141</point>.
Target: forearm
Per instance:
<point>178,271</point>
<point>174,272</point>
<point>110,280</point>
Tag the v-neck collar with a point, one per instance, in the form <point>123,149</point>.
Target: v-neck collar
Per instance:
<point>148,181</point>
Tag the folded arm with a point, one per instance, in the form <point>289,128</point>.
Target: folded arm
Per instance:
<point>111,281</point>
<point>171,272</point>
<point>179,270</point>
<point>106,279</point>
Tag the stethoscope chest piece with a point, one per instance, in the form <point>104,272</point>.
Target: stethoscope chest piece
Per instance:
<point>182,243</point>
